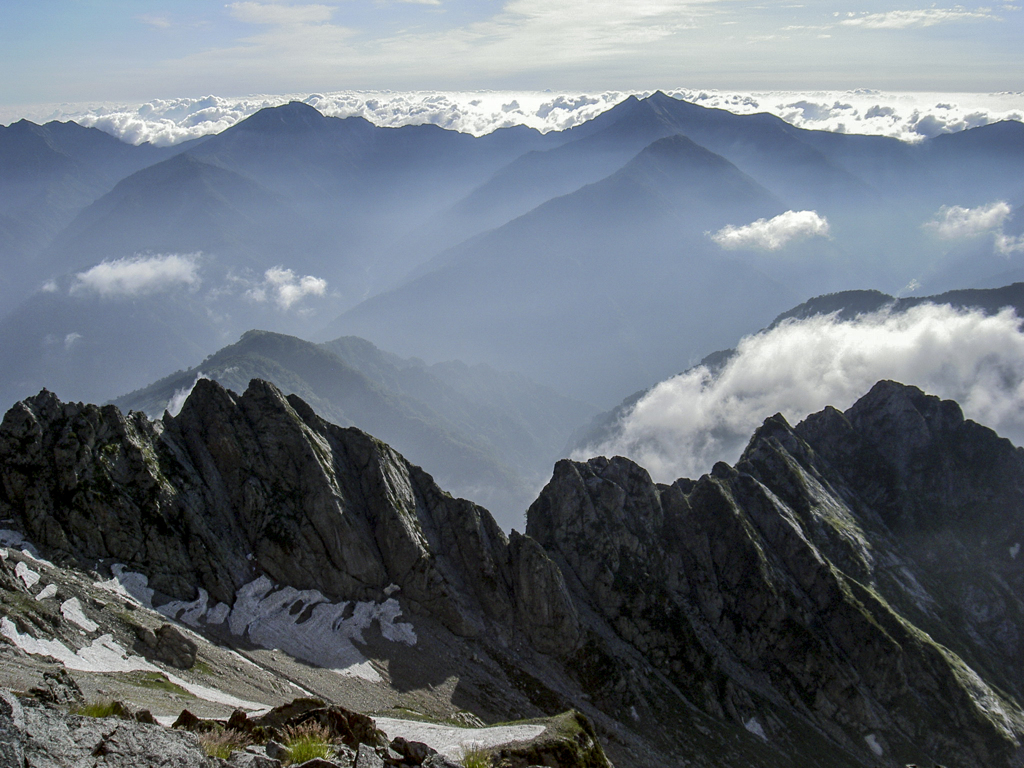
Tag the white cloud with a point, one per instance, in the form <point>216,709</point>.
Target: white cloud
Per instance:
<point>139,275</point>
<point>772,234</point>
<point>953,222</point>
<point>279,15</point>
<point>71,339</point>
<point>1007,244</point>
<point>906,116</point>
<point>686,423</point>
<point>284,288</point>
<point>160,22</point>
<point>181,395</point>
<point>926,17</point>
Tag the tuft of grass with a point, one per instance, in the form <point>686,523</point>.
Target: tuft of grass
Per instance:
<point>156,680</point>
<point>307,741</point>
<point>223,743</point>
<point>102,708</point>
<point>475,757</point>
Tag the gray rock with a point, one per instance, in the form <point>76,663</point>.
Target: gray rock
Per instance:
<point>367,757</point>
<point>39,736</point>
<point>58,688</point>
<point>278,751</point>
<point>172,647</point>
<point>251,760</point>
<point>414,752</point>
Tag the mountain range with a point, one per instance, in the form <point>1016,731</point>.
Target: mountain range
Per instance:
<point>848,594</point>
<point>416,237</point>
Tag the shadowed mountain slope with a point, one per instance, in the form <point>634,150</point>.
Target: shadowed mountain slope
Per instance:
<point>847,595</point>
<point>610,272</point>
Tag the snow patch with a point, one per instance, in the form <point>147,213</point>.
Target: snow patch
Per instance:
<point>1014,550</point>
<point>72,611</point>
<point>872,741</point>
<point>15,540</point>
<point>218,614</point>
<point>270,616</point>
<point>104,654</point>
<point>189,613</point>
<point>50,590</point>
<point>451,741</point>
<point>302,623</point>
<point>756,728</point>
<point>27,575</point>
<point>130,585</point>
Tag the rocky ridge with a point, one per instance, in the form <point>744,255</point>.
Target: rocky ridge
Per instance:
<point>843,594</point>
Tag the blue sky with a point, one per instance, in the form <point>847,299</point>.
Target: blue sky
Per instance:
<point>77,50</point>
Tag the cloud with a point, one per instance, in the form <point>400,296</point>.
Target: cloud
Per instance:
<point>139,275</point>
<point>1007,245</point>
<point>909,117</point>
<point>773,234</point>
<point>953,222</point>
<point>280,15</point>
<point>181,395</point>
<point>160,22</point>
<point>284,288</point>
<point>926,17</point>
<point>683,425</point>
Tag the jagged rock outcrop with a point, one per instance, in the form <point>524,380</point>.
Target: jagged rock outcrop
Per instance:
<point>41,736</point>
<point>857,571</point>
<point>239,486</point>
<point>851,588</point>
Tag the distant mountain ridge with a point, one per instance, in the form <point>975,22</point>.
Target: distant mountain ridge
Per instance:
<point>483,434</point>
<point>293,219</point>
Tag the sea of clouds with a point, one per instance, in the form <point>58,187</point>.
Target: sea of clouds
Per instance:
<point>907,116</point>
<point>684,424</point>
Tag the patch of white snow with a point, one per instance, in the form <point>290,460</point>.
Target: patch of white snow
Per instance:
<point>105,655</point>
<point>50,590</point>
<point>15,540</point>
<point>129,585</point>
<point>27,575</point>
<point>189,613</point>
<point>451,741</point>
<point>872,741</point>
<point>1014,550</point>
<point>218,614</point>
<point>756,728</point>
<point>270,617</point>
<point>72,611</point>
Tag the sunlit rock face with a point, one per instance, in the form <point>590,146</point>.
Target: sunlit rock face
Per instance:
<point>849,588</point>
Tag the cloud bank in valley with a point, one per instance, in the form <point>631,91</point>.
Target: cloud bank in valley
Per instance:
<point>907,116</point>
<point>683,425</point>
<point>138,275</point>
<point>773,234</point>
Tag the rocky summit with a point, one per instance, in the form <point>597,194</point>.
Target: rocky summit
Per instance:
<point>848,594</point>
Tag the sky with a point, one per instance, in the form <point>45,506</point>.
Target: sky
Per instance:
<point>54,51</point>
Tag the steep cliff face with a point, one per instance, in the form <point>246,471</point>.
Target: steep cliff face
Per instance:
<point>848,594</point>
<point>235,487</point>
<point>857,572</point>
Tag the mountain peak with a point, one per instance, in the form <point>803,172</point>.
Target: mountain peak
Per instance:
<point>295,115</point>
